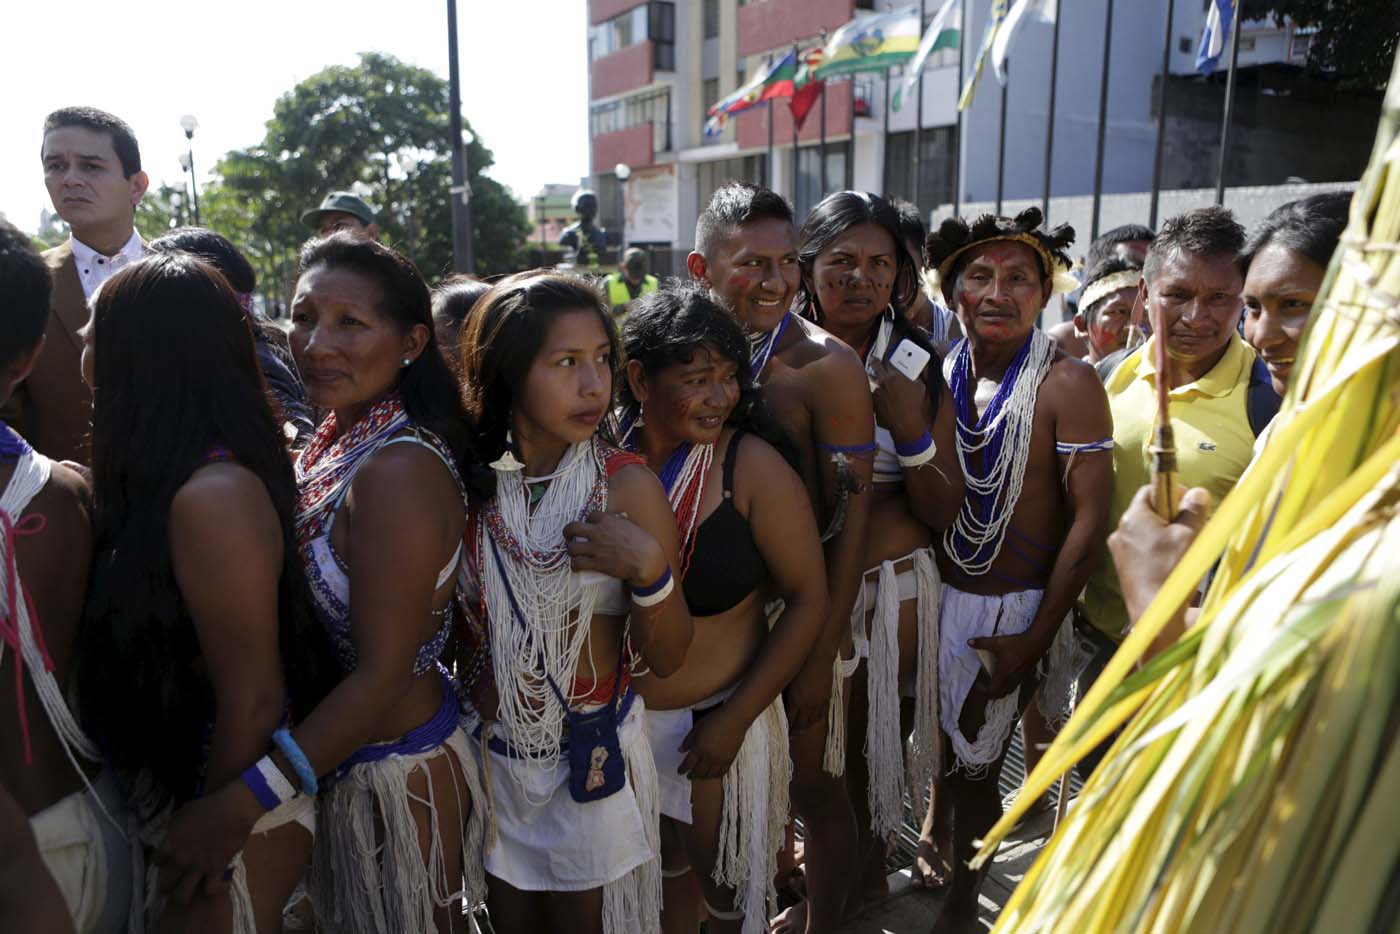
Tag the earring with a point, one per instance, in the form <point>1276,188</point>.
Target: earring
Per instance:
<point>641,410</point>
<point>507,462</point>
<point>405,361</point>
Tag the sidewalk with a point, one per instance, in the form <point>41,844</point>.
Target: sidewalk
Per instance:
<point>912,911</point>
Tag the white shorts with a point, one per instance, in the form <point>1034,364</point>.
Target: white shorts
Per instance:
<point>666,730</point>
<point>545,841</point>
<point>88,855</point>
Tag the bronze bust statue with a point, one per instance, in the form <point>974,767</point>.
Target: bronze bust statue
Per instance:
<point>585,240</point>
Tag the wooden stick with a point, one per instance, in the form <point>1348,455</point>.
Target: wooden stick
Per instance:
<point>1166,492</point>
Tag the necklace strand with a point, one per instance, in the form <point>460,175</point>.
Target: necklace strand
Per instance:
<point>1001,435</point>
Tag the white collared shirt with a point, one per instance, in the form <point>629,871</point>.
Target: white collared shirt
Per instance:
<point>95,269</point>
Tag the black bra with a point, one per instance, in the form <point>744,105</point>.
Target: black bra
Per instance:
<point>726,565</point>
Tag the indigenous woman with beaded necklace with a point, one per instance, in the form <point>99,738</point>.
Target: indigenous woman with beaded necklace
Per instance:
<point>380,517</point>
<point>858,282</point>
<point>571,552</point>
<point>717,726</point>
<point>197,640</point>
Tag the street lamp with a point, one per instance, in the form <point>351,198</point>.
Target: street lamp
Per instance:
<point>189,124</point>
<point>176,202</point>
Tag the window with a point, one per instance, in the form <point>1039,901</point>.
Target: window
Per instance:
<point>655,21</point>
<point>710,15</point>
<point>653,107</point>
<point>937,164</point>
<point>711,175</point>
<point>662,32</point>
<point>809,174</point>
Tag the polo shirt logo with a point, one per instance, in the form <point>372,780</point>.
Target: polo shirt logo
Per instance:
<point>1206,446</point>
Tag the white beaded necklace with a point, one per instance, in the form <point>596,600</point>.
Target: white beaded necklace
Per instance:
<point>557,604</point>
<point>999,483</point>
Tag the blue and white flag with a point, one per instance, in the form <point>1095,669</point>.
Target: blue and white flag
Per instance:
<point>1213,38</point>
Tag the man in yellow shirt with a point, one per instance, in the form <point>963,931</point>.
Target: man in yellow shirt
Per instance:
<point>1192,283</point>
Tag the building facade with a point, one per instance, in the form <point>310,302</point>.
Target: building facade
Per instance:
<point>655,67</point>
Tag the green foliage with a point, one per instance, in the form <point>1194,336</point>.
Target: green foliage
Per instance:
<point>161,209</point>
<point>380,128</point>
<point>52,232</point>
<point>1355,40</point>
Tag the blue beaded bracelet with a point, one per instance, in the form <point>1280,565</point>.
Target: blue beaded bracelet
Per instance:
<point>300,764</point>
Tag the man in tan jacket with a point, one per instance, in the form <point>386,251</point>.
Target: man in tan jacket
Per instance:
<point>92,169</point>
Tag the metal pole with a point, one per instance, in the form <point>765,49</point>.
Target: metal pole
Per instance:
<point>194,184</point>
<point>849,181</point>
<point>958,140</point>
<point>885,163</point>
<point>1161,116</point>
<point>919,128</point>
<point>768,165</point>
<point>462,260</point>
<point>1001,137</point>
<point>822,194</point>
<point>1050,117</point>
<point>1103,118</point>
<point>794,162</point>
<point>1225,120</point>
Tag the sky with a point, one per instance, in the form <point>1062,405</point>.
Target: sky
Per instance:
<point>523,66</point>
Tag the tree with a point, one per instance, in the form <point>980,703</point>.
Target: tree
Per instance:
<point>161,209</point>
<point>1355,39</point>
<point>379,128</point>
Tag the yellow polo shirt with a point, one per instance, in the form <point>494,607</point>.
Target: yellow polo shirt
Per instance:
<point>1214,444</point>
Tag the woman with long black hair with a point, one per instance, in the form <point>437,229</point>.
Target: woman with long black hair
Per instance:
<point>748,535</point>
<point>858,282</point>
<point>197,642</point>
<point>379,522</point>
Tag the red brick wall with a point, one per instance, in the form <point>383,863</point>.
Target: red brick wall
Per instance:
<point>767,24</point>
<point>632,146</point>
<point>752,125</point>
<point>601,10</point>
<point>622,71</point>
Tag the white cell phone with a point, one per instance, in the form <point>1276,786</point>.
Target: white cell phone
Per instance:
<point>910,359</point>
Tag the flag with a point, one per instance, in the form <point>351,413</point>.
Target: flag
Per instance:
<point>1043,10</point>
<point>995,20</point>
<point>942,33</point>
<point>806,88</point>
<point>1218,20</point>
<point>781,77</point>
<point>872,42</point>
<point>754,91</point>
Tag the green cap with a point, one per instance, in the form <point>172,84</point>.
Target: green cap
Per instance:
<point>339,202</point>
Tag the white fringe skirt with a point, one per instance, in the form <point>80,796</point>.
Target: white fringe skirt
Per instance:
<point>367,869</point>
<point>146,913</point>
<point>891,770</point>
<point>755,806</point>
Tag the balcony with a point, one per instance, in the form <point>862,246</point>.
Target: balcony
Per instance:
<point>600,11</point>
<point>752,125</point>
<point>768,24</point>
<point>632,146</point>
<point>623,71</point>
